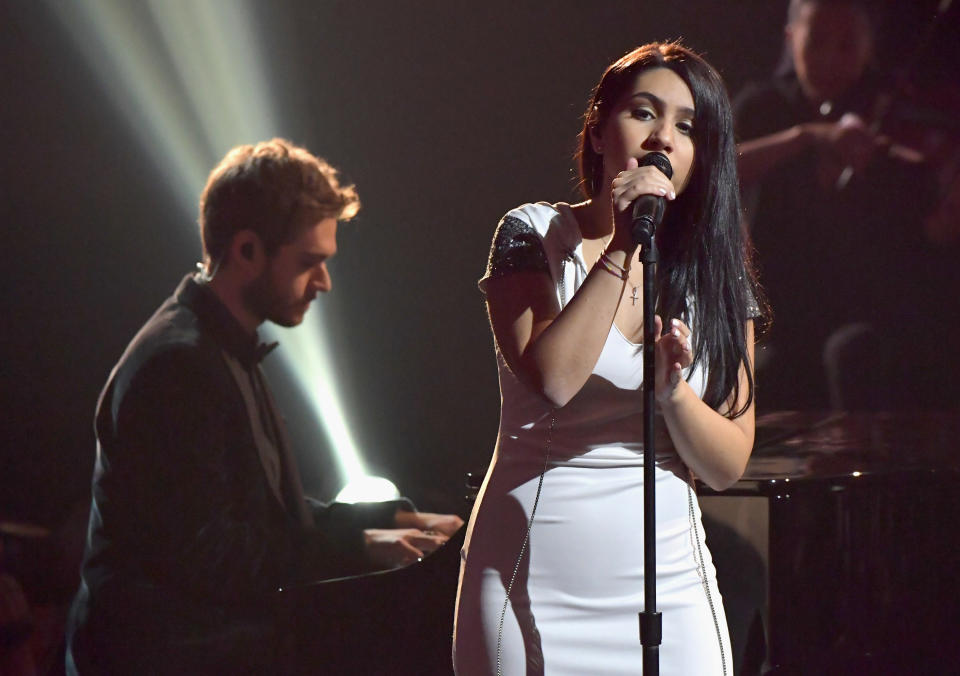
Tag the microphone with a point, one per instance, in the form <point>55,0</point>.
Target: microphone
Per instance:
<point>647,210</point>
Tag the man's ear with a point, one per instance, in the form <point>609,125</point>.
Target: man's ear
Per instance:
<point>247,253</point>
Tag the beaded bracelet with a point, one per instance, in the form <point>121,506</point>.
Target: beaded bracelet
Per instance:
<point>610,261</point>
<point>607,265</point>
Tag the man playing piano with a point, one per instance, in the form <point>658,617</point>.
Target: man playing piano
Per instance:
<point>198,514</point>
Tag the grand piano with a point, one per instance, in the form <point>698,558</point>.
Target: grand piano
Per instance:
<point>395,622</point>
<point>835,554</point>
<point>848,519</point>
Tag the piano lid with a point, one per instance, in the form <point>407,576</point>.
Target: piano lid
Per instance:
<point>809,445</point>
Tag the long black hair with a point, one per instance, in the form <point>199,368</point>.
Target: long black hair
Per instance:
<point>705,270</point>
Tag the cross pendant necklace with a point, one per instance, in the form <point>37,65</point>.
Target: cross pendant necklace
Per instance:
<point>635,297</point>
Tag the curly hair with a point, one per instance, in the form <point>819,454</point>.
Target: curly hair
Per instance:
<point>263,188</point>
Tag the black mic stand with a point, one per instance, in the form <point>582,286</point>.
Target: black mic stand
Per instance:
<point>651,621</point>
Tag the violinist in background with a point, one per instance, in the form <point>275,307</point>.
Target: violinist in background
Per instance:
<point>837,213</point>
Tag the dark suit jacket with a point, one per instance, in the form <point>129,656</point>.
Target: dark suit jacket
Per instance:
<point>187,542</point>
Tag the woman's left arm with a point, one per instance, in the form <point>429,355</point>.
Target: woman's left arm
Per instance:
<point>713,446</point>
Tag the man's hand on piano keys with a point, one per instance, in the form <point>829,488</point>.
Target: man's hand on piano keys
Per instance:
<point>398,547</point>
<point>444,524</point>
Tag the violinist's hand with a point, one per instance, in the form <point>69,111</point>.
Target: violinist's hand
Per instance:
<point>673,353</point>
<point>849,140</point>
<point>632,182</point>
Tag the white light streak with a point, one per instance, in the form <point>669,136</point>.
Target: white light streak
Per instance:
<point>215,96</point>
<point>306,355</point>
<point>368,489</point>
<point>130,70</point>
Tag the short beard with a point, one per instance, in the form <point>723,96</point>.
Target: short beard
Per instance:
<point>260,298</point>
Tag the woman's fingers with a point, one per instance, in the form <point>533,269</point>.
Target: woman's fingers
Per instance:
<point>675,344</point>
<point>632,183</point>
<point>676,350</point>
<point>674,353</point>
<point>657,325</point>
<point>681,332</point>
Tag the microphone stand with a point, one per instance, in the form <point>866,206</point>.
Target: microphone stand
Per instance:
<point>651,624</point>
<point>647,213</point>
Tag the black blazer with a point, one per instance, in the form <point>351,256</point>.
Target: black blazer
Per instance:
<point>187,543</point>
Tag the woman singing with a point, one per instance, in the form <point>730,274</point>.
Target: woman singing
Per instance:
<point>552,575</point>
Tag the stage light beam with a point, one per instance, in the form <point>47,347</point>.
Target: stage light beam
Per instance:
<point>216,95</point>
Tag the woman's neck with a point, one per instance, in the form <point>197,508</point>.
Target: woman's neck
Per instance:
<point>595,218</point>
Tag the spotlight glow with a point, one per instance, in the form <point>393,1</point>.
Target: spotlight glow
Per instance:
<point>306,356</point>
<point>215,96</point>
<point>368,489</point>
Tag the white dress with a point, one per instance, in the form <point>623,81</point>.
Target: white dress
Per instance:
<point>578,581</point>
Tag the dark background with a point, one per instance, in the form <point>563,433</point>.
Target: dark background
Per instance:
<point>444,114</point>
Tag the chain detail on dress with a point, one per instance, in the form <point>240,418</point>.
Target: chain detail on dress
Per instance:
<point>526,539</point>
<point>702,572</point>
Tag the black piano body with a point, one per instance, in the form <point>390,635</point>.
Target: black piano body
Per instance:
<point>395,622</point>
<point>860,556</point>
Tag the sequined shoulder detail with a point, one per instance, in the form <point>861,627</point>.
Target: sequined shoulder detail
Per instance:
<point>749,295</point>
<point>516,248</point>
<point>753,307</point>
